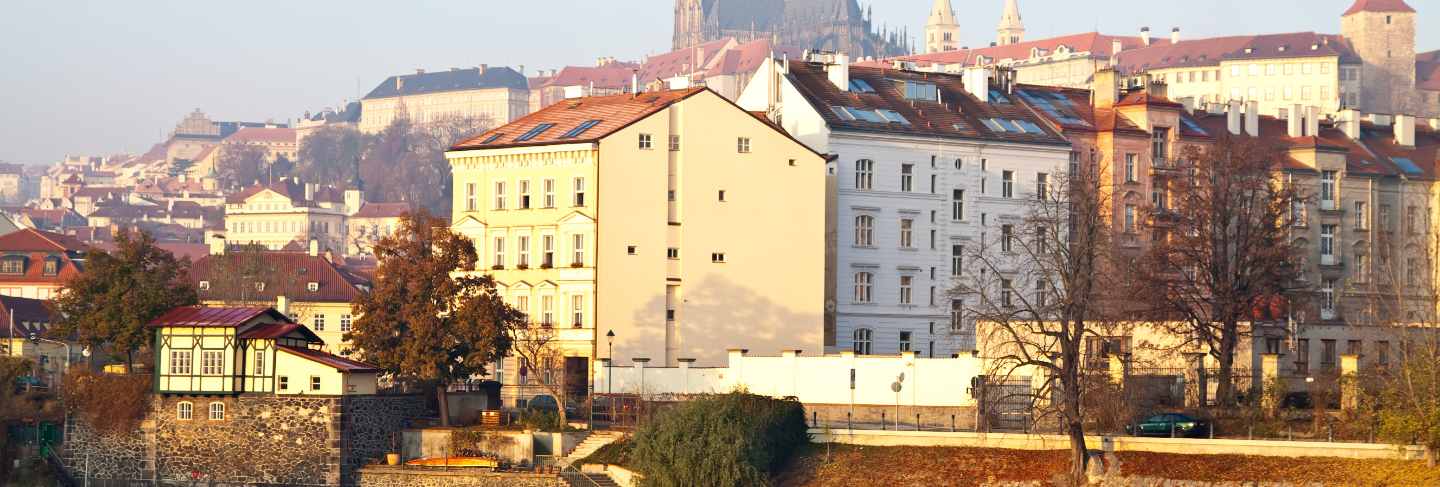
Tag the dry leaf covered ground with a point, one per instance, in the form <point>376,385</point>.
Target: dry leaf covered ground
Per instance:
<point>849,466</point>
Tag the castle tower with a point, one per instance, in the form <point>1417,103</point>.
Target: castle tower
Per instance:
<point>689,24</point>
<point>1382,33</point>
<point>942,32</point>
<point>1011,30</point>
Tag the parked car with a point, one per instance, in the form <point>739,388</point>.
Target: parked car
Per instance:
<point>1171,425</point>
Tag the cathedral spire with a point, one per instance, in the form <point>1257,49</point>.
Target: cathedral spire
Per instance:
<point>942,32</point>
<point>1011,29</point>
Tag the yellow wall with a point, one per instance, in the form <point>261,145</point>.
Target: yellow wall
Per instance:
<point>270,219</point>
<point>1275,83</point>
<point>500,105</point>
<point>195,340</point>
<point>299,372</point>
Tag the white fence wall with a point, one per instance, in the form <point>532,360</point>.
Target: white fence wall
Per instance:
<point>812,380</point>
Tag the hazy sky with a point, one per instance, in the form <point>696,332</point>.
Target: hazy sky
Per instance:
<point>106,76</point>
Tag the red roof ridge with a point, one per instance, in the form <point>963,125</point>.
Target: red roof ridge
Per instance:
<point>1378,6</point>
<point>329,359</point>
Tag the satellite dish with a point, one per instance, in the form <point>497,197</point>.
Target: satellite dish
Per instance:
<point>34,337</point>
<point>85,352</point>
<point>895,386</point>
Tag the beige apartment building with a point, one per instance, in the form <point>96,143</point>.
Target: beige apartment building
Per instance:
<point>286,212</point>
<point>500,94</point>
<point>668,226</point>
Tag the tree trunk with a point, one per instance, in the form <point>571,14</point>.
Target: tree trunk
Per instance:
<point>1430,456</point>
<point>1225,388</point>
<point>1079,454</point>
<point>442,397</point>
<point>129,359</point>
<point>560,401</point>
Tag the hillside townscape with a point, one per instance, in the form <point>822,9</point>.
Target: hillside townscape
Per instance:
<point>799,247</point>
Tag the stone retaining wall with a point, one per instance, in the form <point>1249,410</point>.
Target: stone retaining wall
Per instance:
<point>371,426</point>
<point>383,476</point>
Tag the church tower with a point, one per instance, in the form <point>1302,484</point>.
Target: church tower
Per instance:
<point>1011,30</point>
<point>942,32</point>
<point>689,24</point>
<point>1383,35</point>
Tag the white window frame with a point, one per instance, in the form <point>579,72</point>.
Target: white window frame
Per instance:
<point>865,174</point>
<point>1007,184</point>
<point>499,252</point>
<point>185,411</point>
<point>864,287</point>
<point>346,322</point>
<point>861,340</point>
<point>499,203</point>
<point>578,196</point>
<point>548,186</point>
<point>577,310</point>
<point>907,178</point>
<point>522,243</point>
<point>207,368</point>
<point>907,233</point>
<point>864,231</point>
<point>577,242</point>
<point>217,411</point>
<point>179,357</point>
<point>907,289</point>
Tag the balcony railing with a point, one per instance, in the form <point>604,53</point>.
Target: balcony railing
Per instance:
<point>1329,260</point>
<point>1328,205</point>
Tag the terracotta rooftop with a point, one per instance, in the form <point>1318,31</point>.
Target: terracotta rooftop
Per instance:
<point>382,210</point>
<point>881,105</point>
<point>1097,44</point>
<point>1378,6</point>
<point>31,316</point>
<point>277,330</point>
<point>1211,51</point>
<point>1071,109</point>
<point>1427,70</point>
<point>260,135</point>
<point>286,274</point>
<point>604,115</point>
<point>203,316</point>
<point>29,239</point>
<point>333,361</point>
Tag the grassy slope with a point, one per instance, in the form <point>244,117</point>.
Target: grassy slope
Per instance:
<point>853,465</point>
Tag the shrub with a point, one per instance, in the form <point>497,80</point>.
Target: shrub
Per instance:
<point>477,442</point>
<point>617,453</point>
<point>109,403</point>
<point>724,440</point>
<point>540,419</point>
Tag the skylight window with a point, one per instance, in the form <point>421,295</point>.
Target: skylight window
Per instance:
<point>492,138</point>
<point>915,90</point>
<point>866,115</point>
<point>1407,165</point>
<point>535,132</point>
<point>1029,127</point>
<point>843,113</point>
<point>994,126</point>
<point>997,96</point>
<point>580,129</point>
<point>861,86</point>
<point>1190,124</point>
<point>893,116</point>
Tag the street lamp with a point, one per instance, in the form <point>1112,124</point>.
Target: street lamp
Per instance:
<point>610,364</point>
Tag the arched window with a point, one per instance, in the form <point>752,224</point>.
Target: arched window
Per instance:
<point>184,411</point>
<point>862,341</point>
<point>864,174</point>
<point>217,411</point>
<point>865,231</point>
<point>863,283</point>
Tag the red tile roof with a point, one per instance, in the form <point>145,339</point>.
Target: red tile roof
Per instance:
<point>215,316</point>
<point>277,330</point>
<point>959,116</point>
<point>683,61</point>
<point>607,77</point>
<point>746,58</point>
<point>1427,70</point>
<point>1097,44</point>
<point>31,316</point>
<point>1378,6</point>
<point>613,112</point>
<point>290,189</point>
<point>286,274</point>
<point>29,239</point>
<point>333,361</point>
<point>262,135</point>
<point>382,210</point>
<point>1211,51</point>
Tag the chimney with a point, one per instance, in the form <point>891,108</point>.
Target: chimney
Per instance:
<point>1145,35</point>
<point>1405,130</point>
<point>1295,122</point>
<point>634,82</point>
<point>1312,121</point>
<point>1232,117</point>
<point>976,81</point>
<point>1175,35</point>
<point>282,304</point>
<point>1116,46</point>
<point>483,67</point>
<point>399,83</point>
<point>314,248</point>
<point>1350,123</point>
<point>217,244</point>
<point>309,192</point>
<point>1105,89</point>
<point>1435,124</point>
<point>419,71</point>
<point>1252,118</point>
<point>839,71</point>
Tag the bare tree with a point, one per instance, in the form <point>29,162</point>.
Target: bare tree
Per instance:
<point>406,161</point>
<point>1038,290</point>
<point>1222,248</point>
<point>241,165</point>
<point>542,362</point>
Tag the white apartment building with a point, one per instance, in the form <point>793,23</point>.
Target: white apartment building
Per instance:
<point>924,168</point>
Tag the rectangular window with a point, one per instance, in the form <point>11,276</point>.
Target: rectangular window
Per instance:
<point>742,145</point>
<point>1040,294</point>
<point>957,259</point>
<point>314,382</point>
<point>906,289</point>
<point>904,341</point>
<point>1327,190</point>
<point>180,363</point>
<point>524,194</point>
<point>672,253</point>
<point>863,282</point>
<point>319,322</point>
<point>864,173</point>
<point>1302,356</point>
<point>1384,218</point>
<point>522,304</point>
<point>469,196</point>
<point>1412,215</point>
<point>260,363</point>
<point>577,310</point>
<point>499,253</point>
<point>345,322</point>
<point>1362,216</point>
<point>500,195</point>
<point>523,244</point>
<point>184,411</point>
<point>579,198</point>
<point>1327,240</point>
<point>1353,347</point>
<point>957,205</point>
<point>549,188</point>
<point>1007,238</point>
<point>1006,293</point>
<point>212,362</point>
<point>547,310</point>
<point>1130,168</point>
<point>1382,352</point>
<point>1327,354</point>
<point>1007,184</point>
<point>578,246</point>
<point>1130,218</point>
<point>284,383</point>
<point>717,257</point>
<point>907,240</point>
<point>1327,296</point>
<point>907,177</point>
<point>957,314</point>
<point>14,265</point>
<point>645,142</point>
<point>217,411</point>
<point>674,143</point>
<point>1362,269</point>
<point>547,248</point>
<point>1042,186</point>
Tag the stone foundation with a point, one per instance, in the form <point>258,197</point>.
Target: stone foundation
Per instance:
<point>380,476</point>
<point>931,418</point>
<point>261,439</point>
